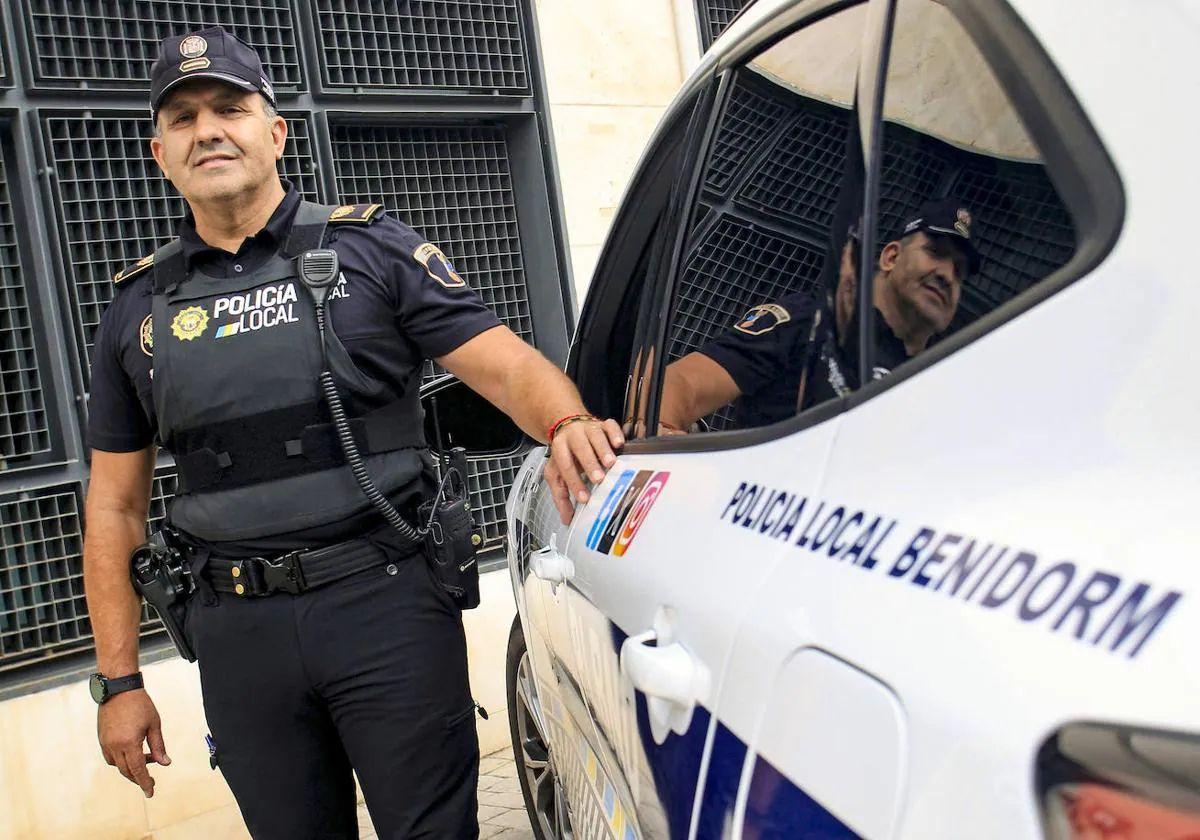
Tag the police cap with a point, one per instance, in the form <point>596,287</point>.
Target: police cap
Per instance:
<point>946,217</point>
<point>209,53</point>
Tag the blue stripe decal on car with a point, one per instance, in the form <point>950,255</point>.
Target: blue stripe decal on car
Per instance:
<point>776,808</point>
<point>721,788</point>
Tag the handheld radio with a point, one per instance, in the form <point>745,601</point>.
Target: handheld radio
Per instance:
<point>445,525</point>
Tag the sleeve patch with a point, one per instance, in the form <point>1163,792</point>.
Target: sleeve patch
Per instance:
<point>358,214</point>
<point>762,319</point>
<point>438,266</point>
<point>132,270</point>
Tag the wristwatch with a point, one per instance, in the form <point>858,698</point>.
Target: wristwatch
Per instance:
<point>103,688</point>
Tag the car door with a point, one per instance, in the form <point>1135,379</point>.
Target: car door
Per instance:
<point>601,357</point>
<point>891,696</point>
<point>665,558</point>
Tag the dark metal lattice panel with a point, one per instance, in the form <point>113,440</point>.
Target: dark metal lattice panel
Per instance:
<point>42,607</point>
<point>111,44</point>
<point>715,15</point>
<point>731,269</point>
<point>24,428</point>
<point>489,482</point>
<point>749,118</point>
<point>913,172</point>
<point>800,180</point>
<point>453,185</point>
<point>114,206</point>
<point>1022,231</point>
<point>471,45</point>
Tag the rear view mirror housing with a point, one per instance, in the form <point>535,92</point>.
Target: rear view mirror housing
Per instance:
<point>456,416</point>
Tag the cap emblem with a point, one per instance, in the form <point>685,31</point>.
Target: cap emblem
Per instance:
<point>194,64</point>
<point>963,223</point>
<point>193,46</point>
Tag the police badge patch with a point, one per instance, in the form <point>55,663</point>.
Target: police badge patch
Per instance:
<point>146,335</point>
<point>438,266</point>
<point>189,323</point>
<point>762,319</point>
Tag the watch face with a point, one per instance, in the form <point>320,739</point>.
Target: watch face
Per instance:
<point>98,686</point>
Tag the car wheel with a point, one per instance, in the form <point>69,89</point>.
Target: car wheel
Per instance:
<point>541,787</point>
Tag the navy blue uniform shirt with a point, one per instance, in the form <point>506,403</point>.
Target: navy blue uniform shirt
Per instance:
<point>768,349</point>
<point>391,314</point>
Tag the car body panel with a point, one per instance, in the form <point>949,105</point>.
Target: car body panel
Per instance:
<point>1031,496</point>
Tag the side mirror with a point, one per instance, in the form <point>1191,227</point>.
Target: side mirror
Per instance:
<point>457,416</point>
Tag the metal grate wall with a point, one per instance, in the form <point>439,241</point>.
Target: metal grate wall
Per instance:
<point>24,423</point>
<point>469,45</point>
<point>111,44</point>
<point>773,183</point>
<point>714,15</point>
<point>454,185</point>
<point>454,144</point>
<point>42,609</point>
<point>115,206</point>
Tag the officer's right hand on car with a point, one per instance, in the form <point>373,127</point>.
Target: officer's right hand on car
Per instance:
<point>579,449</point>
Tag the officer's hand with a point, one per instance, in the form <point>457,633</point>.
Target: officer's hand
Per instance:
<point>584,448</point>
<point>123,724</point>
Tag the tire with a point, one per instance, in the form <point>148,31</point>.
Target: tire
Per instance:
<point>541,788</point>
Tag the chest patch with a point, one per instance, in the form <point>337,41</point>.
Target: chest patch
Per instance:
<point>190,323</point>
<point>260,309</point>
<point>762,319</point>
<point>146,335</point>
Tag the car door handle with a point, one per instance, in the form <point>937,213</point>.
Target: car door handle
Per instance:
<point>548,565</point>
<point>672,679</point>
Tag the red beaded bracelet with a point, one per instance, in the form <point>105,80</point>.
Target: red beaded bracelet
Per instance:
<point>570,418</point>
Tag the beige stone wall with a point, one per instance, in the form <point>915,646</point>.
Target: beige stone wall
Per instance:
<point>612,66</point>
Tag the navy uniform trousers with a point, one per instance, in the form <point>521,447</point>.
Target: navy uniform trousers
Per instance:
<point>369,673</point>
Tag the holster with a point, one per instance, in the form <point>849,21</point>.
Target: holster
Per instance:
<point>451,538</point>
<point>161,574</point>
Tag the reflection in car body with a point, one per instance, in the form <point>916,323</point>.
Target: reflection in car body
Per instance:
<point>953,602</point>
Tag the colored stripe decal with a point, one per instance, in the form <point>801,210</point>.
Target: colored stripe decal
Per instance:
<point>606,510</point>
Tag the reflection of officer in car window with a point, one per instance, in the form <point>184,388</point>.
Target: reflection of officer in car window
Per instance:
<point>797,352</point>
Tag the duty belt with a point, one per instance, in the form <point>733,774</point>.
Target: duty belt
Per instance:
<point>295,572</point>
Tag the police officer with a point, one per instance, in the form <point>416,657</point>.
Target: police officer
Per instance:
<point>783,357</point>
<point>324,642</point>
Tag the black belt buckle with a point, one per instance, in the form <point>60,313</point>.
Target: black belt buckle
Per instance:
<point>283,574</point>
<point>259,576</point>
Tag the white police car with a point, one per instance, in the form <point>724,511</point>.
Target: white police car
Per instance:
<point>958,602</point>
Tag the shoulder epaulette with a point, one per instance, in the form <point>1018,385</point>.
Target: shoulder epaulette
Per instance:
<point>357,214</point>
<point>133,270</point>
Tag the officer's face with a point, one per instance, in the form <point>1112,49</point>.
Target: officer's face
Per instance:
<point>924,275</point>
<point>215,142</point>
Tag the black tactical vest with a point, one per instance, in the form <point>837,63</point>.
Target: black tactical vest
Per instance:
<point>236,362</point>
